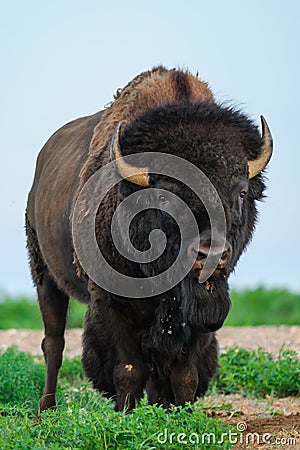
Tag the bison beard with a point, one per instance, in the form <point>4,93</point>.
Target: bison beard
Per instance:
<point>165,344</point>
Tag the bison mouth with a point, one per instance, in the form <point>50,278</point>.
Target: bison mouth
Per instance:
<point>208,274</point>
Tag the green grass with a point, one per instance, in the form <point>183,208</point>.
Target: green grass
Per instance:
<point>19,313</point>
<point>85,420</point>
<point>264,307</point>
<point>24,313</point>
<point>256,373</point>
<point>249,307</point>
<point>89,422</point>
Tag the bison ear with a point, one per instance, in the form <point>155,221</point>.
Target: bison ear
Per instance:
<point>134,174</point>
<point>257,165</point>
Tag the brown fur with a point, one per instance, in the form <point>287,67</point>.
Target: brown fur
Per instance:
<point>148,90</point>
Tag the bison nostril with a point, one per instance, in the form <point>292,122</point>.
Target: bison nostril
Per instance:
<point>201,254</point>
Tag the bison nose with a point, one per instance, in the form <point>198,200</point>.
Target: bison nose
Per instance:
<point>217,249</point>
<point>202,253</point>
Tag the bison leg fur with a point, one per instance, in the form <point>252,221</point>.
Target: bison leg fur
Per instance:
<point>54,306</point>
<point>184,382</point>
<point>129,380</point>
<point>159,390</point>
<point>120,377</point>
<point>111,358</point>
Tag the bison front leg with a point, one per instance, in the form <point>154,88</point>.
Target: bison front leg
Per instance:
<point>159,390</point>
<point>129,380</point>
<point>112,356</point>
<point>184,382</point>
<point>53,305</point>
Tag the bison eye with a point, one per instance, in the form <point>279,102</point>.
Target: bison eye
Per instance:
<point>243,195</point>
<point>162,198</point>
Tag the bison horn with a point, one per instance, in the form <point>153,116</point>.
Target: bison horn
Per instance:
<point>257,165</point>
<point>134,174</point>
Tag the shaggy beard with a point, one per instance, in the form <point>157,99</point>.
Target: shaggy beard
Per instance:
<point>189,309</point>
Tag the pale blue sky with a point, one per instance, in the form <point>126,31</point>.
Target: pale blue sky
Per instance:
<point>64,59</point>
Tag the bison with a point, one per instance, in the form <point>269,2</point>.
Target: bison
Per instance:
<point>164,343</point>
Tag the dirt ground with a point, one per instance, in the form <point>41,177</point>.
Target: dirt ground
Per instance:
<point>271,423</point>
<point>258,423</point>
<point>269,337</point>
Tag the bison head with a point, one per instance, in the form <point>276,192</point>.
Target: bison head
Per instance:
<point>221,142</point>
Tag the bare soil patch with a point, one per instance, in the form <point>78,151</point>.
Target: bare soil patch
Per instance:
<point>278,432</point>
<point>271,423</point>
<point>270,338</point>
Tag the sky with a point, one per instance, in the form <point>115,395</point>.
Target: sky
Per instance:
<point>64,59</point>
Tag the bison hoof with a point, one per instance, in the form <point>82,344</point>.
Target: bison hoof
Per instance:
<point>48,401</point>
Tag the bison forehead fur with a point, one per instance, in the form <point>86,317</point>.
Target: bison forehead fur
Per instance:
<point>167,344</point>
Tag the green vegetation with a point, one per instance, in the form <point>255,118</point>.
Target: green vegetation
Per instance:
<point>83,419</point>
<point>250,307</point>
<point>19,313</point>
<point>21,378</point>
<point>89,422</point>
<point>256,373</point>
<point>264,307</point>
<point>24,313</point>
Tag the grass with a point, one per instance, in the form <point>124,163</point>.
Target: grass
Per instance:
<point>264,307</point>
<point>24,313</point>
<point>249,307</point>
<point>83,419</point>
<point>88,422</point>
<point>256,373</point>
